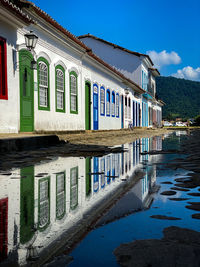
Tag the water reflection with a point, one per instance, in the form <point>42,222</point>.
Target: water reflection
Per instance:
<point>40,203</point>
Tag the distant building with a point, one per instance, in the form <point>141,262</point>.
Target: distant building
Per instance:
<point>137,67</point>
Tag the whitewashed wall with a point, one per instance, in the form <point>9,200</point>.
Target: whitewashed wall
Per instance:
<point>126,63</point>
<point>9,109</point>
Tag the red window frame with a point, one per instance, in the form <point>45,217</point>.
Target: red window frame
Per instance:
<point>3,69</point>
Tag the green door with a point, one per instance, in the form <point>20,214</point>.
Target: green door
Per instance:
<point>26,204</point>
<point>87,106</point>
<point>26,92</point>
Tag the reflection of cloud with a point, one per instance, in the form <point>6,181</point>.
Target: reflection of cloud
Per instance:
<point>188,73</point>
<point>164,58</point>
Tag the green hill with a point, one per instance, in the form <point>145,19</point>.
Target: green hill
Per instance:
<point>182,97</point>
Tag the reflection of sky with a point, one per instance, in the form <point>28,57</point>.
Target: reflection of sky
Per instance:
<point>97,248</point>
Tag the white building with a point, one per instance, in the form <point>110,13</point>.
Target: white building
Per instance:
<point>138,68</point>
<point>71,88</point>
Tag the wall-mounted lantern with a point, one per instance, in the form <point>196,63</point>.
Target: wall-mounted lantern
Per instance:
<point>31,40</point>
<point>126,91</point>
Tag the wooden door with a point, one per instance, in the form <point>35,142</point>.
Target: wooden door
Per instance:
<point>95,108</point>
<point>26,92</point>
<point>87,106</point>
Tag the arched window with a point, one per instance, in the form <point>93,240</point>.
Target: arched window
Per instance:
<point>113,104</point>
<point>60,89</point>
<point>102,100</point>
<point>43,84</point>
<point>117,105</point>
<point>108,102</point>
<point>73,92</point>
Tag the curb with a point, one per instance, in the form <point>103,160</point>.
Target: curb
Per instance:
<point>27,143</point>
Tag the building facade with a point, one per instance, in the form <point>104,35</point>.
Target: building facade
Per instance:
<point>60,84</point>
<point>137,67</point>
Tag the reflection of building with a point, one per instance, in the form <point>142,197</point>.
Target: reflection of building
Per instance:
<point>41,203</point>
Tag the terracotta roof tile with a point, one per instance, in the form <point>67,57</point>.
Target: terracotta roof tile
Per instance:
<point>16,10</point>
<point>88,50</point>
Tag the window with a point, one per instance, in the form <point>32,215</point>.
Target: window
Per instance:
<point>74,188</point>
<point>144,80</point>
<point>102,100</point>
<point>60,89</point>
<point>60,195</point>
<point>44,207</point>
<point>73,93</point>
<point>113,104</point>
<point>108,102</point>
<point>117,105</point>
<point>43,84</point>
<point>3,69</point>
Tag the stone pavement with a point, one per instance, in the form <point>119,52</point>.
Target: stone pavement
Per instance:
<point>27,141</point>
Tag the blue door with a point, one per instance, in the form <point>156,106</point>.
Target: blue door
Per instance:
<point>95,108</point>
<point>122,112</point>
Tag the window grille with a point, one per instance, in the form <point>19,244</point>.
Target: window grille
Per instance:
<point>102,99</point>
<point>43,84</point>
<point>117,105</point>
<point>108,103</point>
<point>113,104</point>
<point>60,88</point>
<point>73,92</point>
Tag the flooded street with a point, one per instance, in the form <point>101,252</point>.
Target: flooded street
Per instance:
<point>78,210</point>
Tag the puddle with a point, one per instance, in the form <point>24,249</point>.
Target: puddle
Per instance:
<point>107,200</point>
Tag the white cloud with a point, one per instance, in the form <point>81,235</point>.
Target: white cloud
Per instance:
<point>164,58</point>
<point>188,73</point>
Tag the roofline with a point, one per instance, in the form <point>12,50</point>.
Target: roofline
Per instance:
<point>115,46</point>
<point>17,11</point>
<point>88,50</point>
<point>161,102</point>
<point>155,70</point>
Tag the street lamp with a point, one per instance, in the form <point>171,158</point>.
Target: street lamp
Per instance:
<point>126,91</point>
<point>31,40</point>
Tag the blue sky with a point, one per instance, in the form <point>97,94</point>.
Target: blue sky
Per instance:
<point>168,30</point>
